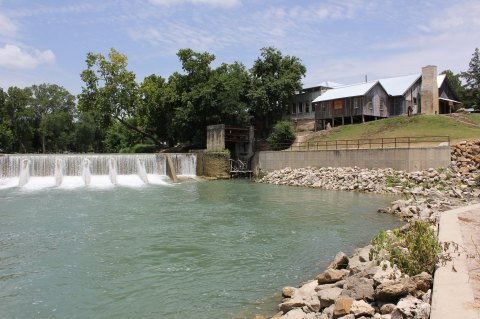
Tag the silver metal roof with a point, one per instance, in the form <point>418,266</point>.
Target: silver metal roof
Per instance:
<point>346,91</point>
<point>400,84</point>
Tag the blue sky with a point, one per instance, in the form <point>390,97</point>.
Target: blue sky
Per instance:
<point>46,41</point>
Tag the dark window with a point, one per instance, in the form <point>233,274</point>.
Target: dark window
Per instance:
<point>307,107</point>
<point>300,107</point>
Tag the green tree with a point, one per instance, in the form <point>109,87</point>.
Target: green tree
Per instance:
<point>19,118</point>
<point>282,136</point>
<point>275,80</point>
<point>205,96</point>
<point>155,113</point>
<point>472,79</point>
<point>6,134</point>
<point>86,136</point>
<point>111,91</point>
<point>54,109</point>
<point>456,84</point>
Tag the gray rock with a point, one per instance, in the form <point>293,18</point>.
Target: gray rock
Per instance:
<point>294,314</point>
<point>387,308</point>
<point>349,316</point>
<point>394,290</point>
<point>361,308</point>
<point>327,297</point>
<point>287,292</point>
<point>411,307</point>
<point>359,288</point>
<point>332,275</point>
<point>340,261</point>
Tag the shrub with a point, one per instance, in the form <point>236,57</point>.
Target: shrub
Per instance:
<point>282,136</point>
<point>414,249</point>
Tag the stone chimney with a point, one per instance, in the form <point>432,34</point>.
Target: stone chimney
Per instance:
<point>429,90</point>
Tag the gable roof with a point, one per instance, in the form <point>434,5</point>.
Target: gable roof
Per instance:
<point>440,79</point>
<point>399,85</point>
<point>346,91</point>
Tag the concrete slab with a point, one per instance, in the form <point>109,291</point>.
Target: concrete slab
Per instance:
<point>452,295</point>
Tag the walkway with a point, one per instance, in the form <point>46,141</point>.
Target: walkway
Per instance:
<point>454,286</point>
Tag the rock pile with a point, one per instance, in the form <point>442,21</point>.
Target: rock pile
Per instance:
<point>358,288</point>
<point>466,156</point>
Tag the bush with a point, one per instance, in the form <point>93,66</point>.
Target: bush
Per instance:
<point>282,136</point>
<point>414,249</point>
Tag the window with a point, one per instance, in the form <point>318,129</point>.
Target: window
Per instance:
<point>414,100</point>
<point>300,107</point>
<point>294,108</point>
<point>307,107</point>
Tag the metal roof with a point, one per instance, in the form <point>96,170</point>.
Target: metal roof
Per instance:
<point>330,84</point>
<point>440,79</point>
<point>346,91</point>
<point>400,84</point>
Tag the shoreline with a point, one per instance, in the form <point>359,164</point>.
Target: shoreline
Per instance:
<point>354,287</point>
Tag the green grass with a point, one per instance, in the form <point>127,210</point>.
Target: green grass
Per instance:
<point>474,117</point>
<point>403,126</point>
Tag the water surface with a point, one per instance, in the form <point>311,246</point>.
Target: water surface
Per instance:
<point>192,250</point>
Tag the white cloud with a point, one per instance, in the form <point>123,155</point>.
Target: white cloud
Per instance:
<point>7,27</point>
<point>217,3</point>
<point>11,56</point>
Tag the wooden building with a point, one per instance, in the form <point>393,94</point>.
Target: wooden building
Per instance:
<point>351,104</point>
<point>385,98</point>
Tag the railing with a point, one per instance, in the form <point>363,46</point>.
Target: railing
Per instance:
<point>371,143</point>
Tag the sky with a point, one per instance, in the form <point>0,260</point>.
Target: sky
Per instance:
<point>46,41</point>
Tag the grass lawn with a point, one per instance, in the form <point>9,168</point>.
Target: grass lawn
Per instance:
<point>403,126</point>
<point>474,117</point>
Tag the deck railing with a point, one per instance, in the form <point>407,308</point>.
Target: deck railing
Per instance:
<point>369,143</point>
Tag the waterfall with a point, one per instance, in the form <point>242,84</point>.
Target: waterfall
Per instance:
<point>98,170</point>
<point>185,164</point>
<point>58,171</point>
<point>24,172</point>
<point>86,172</point>
<point>141,171</point>
<point>112,170</point>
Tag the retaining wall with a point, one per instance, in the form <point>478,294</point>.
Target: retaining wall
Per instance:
<point>407,159</point>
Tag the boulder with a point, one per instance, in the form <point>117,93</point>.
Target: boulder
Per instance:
<point>359,288</point>
<point>385,272</point>
<point>411,307</point>
<point>349,316</point>
<point>340,261</point>
<point>290,304</point>
<point>294,314</point>
<point>327,297</point>
<point>287,292</point>
<point>361,308</point>
<point>332,275</point>
<point>387,308</point>
<point>423,281</point>
<point>343,305</point>
<point>394,290</point>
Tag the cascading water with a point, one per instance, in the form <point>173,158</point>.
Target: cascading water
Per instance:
<point>98,170</point>
<point>58,171</point>
<point>87,178</point>
<point>112,170</point>
<point>141,171</point>
<point>24,173</point>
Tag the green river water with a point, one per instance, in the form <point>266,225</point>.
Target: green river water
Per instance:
<point>219,249</point>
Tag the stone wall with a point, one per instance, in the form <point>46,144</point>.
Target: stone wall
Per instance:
<point>429,90</point>
<point>213,165</point>
<point>407,159</point>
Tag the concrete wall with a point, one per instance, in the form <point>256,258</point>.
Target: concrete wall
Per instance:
<point>408,159</point>
<point>216,138</point>
<point>213,164</point>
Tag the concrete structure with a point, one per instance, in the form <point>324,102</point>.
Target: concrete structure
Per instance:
<point>429,93</point>
<point>216,138</point>
<point>408,159</point>
<point>452,295</point>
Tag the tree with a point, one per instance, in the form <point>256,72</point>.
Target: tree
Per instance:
<point>111,91</point>
<point>472,79</point>
<point>282,136</point>
<point>54,109</point>
<point>19,118</point>
<point>6,134</point>
<point>456,84</point>
<point>275,80</point>
<point>205,96</point>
